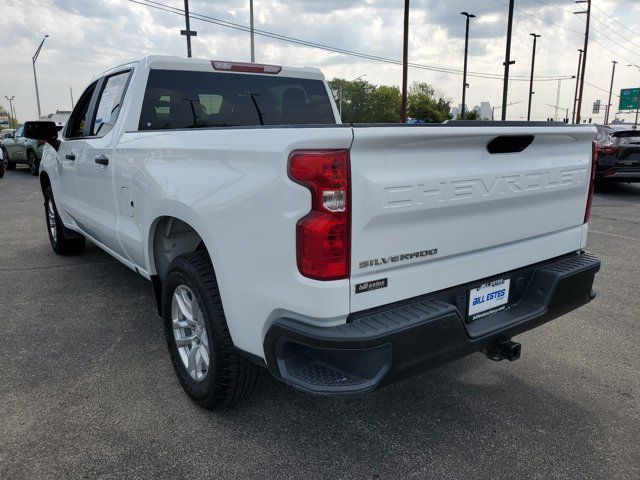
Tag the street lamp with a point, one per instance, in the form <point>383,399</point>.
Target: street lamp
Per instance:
<point>35,78</point>
<point>613,72</point>
<point>12,116</point>
<point>466,52</point>
<point>507,62</point>
<point>341,87</point>
<point>533,63</point>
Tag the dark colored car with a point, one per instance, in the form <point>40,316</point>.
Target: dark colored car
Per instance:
<point>618,154</point>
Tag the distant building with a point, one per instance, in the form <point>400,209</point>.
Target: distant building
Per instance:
<point>60,117</point>
<point>484,110</point>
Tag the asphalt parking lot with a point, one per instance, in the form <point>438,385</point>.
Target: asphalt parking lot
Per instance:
<point>87,389</point>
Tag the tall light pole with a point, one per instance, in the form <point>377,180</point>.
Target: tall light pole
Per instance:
<point>533,63</point>
<point>12,117</point>
<point>613,72</point>
<point>575,97</point>
<point>188,32</point>
<point>507,62</point>
<point>584,56</point>
<point>405,64</point>
<point>35,77</point>
<point>253,51</point>
<point>466,53</point>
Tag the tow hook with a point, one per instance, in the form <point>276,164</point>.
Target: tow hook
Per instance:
<point>504,349</point>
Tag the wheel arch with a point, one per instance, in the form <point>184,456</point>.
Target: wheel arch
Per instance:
<point>169,237</point>
<point>45,181</point>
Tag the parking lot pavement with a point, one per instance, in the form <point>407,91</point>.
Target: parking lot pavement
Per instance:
<point>87,389</point>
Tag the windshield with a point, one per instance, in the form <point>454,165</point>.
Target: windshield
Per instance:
<point>182,99</point>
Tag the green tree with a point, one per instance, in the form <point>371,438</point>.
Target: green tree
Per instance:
<point>426,103</point>
<point>387,102</point>
<point>363,102</point>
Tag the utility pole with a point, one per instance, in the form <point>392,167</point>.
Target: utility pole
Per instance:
<point>466,53</point>
<point>35,77</point>
<point>584,57</point>
<point>557,105</point>
<point>533,63</point>
<point>12,117</point>
<point>575,97</point>
<point>188,32</point>
<point>507,62</point>
<point>253,51</point>
<point>405,62</point>
<point>613,72</point>
<point>71,93</point>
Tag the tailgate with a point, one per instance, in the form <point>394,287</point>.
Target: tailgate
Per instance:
<point>432,208</point>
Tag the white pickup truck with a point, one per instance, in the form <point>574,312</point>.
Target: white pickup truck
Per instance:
<point>338,256</point>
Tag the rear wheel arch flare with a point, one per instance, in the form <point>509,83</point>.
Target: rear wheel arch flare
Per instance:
<point>170,238</point>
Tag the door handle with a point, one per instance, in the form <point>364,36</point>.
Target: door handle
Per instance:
<point>102,160</point>
<point>70,156</point>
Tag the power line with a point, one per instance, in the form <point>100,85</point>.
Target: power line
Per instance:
<point>615,31</point>
<point>276,36</point>
<point>610,17</point>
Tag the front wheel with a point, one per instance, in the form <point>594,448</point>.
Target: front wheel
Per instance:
<point>34,163</point>
<point>62,240</point>
<point>8,165</point>
<point>209,367</point>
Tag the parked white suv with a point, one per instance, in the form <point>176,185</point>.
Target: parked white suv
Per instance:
<point>338,256</point>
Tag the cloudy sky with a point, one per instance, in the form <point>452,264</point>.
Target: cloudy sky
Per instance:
<point>89,36</point>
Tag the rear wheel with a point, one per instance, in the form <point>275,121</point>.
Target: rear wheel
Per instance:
<point>209,367</point>
<point>34,163</point>
<point>62,240</point>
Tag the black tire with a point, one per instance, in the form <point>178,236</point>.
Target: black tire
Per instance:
<point>34,163</point>
<point>230,376</point>
<point>8,163</point>
<point>1,168</point>
<point>63,242</point>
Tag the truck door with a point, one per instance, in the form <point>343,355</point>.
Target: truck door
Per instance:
<point>95,169</point>
<point>73,147</point>
<point>15,146</point>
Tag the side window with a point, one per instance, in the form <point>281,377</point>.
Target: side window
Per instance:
<point>19,132</point>
<point>109,103</point>
<point>78,119</point>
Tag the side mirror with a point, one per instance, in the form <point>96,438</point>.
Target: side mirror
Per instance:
<point>45,131</point>
<point>40,130</point>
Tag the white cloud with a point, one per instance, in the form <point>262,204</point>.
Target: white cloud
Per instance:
<point>87,37</point>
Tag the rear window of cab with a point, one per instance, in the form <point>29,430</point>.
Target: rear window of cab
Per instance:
<point>180,99</point>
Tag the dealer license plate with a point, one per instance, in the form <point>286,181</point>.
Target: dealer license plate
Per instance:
<point>488,298</point>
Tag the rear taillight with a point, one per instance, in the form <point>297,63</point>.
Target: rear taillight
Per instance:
<point>592,180</point>
<point>323,235</point>
<point>608,149</point>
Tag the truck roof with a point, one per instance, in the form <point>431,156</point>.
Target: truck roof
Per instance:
<point>167,62</point>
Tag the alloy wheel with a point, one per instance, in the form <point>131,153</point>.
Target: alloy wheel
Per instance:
<point>51,220</point>
<point>190,332</point>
